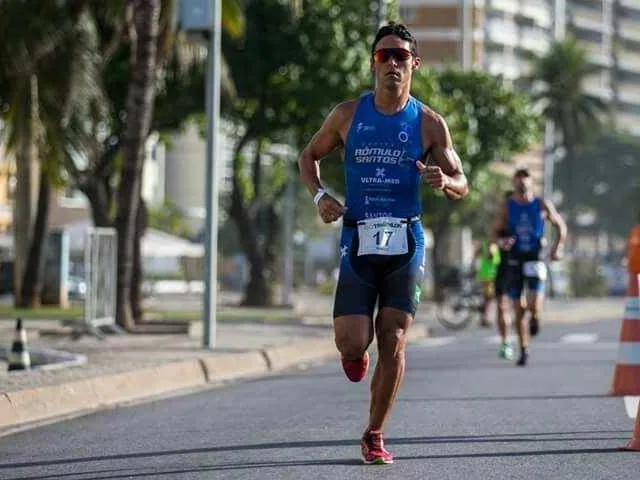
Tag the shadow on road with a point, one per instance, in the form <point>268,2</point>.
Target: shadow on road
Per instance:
<point>535,364</point>
<point>112,474</point>
<point>585,435</point>
<point>510,397</point>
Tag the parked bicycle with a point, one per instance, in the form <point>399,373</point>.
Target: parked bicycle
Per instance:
<point>461,302</point>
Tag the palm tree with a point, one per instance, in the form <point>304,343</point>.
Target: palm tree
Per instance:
<point>561,73</point>
<point>139,107</point>
<point>67,90</point>
<point>151,45</point>
<point>24,43</point>
<point>37,75</point>
<point>20,91</point>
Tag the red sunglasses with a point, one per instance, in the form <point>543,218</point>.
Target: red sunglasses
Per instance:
<point>383,55</point>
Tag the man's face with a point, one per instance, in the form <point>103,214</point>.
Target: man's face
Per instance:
<point>393,63</point>
<point>522,184</point>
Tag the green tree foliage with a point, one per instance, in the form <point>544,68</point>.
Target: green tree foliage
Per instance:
<point>74,59</point>
<point>561,73</point>
<point>46,80</point>
<point>292,66</point>
<point>608,181</point>
<point>489,122</point>
<point>169,218</point>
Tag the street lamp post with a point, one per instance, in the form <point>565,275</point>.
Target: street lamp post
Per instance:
<point>204,16</point>
<point>287,283</point>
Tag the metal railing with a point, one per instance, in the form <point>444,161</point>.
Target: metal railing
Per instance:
<point>100,260</point>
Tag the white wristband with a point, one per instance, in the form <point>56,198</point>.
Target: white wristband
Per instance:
<point>319,194</point>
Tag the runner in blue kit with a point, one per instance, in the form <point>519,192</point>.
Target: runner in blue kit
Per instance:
<point>387,136</point>
<point>523,216</point>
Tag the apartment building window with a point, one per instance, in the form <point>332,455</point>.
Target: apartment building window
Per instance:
<point>408,14</point>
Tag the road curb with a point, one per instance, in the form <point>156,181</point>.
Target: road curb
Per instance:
<point>43,403</point>
<point>288,355</point>
<point>40,403</point>
<point>233,365</point>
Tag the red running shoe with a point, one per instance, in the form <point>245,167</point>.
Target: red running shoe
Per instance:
<point>373,451</point>
<point>355,370</point>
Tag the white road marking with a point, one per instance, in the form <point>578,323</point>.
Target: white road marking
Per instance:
<point>579,338</point>
<point>436,341</point>
<point>631,405</point>
<point>573,339</point>
<point>493,340</point>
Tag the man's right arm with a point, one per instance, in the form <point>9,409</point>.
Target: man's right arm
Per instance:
<point>325,141</point>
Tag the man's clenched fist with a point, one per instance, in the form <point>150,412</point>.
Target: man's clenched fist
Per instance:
<point>330,209</point>
<point>433,176</point>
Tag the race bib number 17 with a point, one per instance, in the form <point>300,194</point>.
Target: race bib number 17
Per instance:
<point>382,236</point>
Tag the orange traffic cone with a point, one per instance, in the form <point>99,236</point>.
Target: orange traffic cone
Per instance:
<point>626,378</point>
<point>634,443</point>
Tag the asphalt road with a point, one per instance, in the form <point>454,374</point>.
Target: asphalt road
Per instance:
<point>462,414</point>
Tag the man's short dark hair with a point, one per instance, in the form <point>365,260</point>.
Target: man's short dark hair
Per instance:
<point>399,30</point>
<point>522,172</point>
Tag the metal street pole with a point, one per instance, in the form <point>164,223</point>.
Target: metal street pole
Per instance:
<point>213,158</point>
<point>287,287</point>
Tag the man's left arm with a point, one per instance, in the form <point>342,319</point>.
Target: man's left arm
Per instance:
<point>561,229</point>
<point>447,174</point>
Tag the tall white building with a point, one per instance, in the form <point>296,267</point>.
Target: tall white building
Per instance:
<point>499,35</point>
<point>610,30</point>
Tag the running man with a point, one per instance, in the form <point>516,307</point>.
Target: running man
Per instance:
<point>523,215</point>
<point>387,137</point>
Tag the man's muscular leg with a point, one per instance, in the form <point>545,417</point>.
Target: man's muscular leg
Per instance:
<point>391,331</point>
<point>521,326</point>
<point>521,323</point>
<point>503,305</point>
<point>534,305</point>
<point>353,335</point>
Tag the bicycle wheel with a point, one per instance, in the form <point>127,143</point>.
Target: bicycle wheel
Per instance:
<point>456,313</point>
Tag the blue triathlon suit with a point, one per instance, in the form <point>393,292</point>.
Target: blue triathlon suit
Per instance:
<point>382,180</point>
<point>526,222</point>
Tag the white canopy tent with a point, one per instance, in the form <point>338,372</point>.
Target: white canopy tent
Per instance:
<point>155,244</point>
